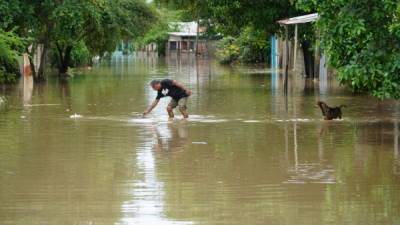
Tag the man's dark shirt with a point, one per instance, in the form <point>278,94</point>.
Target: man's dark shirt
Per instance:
<point>169,89</point>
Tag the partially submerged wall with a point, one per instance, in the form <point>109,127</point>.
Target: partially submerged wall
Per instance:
<point>297,63</point>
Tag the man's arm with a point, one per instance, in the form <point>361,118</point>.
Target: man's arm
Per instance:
<point>151,107</point>
<point>181,86</point>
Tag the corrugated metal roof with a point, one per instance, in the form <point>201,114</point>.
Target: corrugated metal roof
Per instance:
<point>300,19</point>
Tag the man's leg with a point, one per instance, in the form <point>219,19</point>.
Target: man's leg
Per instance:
<point>170,108</point>
<point>183,108</point>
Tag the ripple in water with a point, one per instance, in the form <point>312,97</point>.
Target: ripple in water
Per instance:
<point>311,173</point>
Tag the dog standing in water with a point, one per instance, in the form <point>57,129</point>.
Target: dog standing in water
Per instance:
<point>173,89</point>
<point>330,113</point>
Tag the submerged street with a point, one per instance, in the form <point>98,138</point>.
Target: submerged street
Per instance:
<point>79,152</point>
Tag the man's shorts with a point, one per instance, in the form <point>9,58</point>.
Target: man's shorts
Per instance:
<point>181,103</point>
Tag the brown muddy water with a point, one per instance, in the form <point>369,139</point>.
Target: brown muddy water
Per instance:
<point>78,152</point>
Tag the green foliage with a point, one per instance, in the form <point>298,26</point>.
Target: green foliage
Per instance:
<point>134,17</point>
<point>189,9</point>
<point>158,33</point>
<point>228,50</point>
<point>233,16</point>
<point>8,71</point>
<point>80,55</point>
<point>99,25</point>
<point>260,14</point>
<point>10,45</point>
<point>8,12</point>
<point>362,41</point>
<point>247,24</point>
<point>251,46</point>
<point>254,45</point>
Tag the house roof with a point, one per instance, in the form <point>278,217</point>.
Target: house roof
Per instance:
<point>184,28</point>
<point>300,19</point>
<point>182,34</point>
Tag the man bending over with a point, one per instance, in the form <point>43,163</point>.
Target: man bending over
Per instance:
<point>175,90</point>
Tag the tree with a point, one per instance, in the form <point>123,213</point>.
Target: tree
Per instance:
<point>250,46</point>
<point>100,25</point>
<point>10,47</point>
<point>197,10</point>
<point>10,43</point>
<point>250,20</point>
<point>262,15</point>
<point>362,41</point>
<point>158,33</point>
<point>31,20</point>
<point>63,24</point>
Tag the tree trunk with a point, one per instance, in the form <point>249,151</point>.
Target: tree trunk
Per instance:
<point>42,64</point>
<point>30,57</point>
<point>32,65</point>
<point>38,76</point>
<point>64,59</point>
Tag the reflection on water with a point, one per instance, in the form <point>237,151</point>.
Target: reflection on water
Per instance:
<point>27,88</point>
<point>248,154</point>
<point>147,193</point>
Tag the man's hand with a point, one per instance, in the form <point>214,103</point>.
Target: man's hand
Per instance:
<point>145,113</point>
<point>151,107</point>
<point>188,92</point>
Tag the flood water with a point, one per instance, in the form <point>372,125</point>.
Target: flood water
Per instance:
<point>78,152</point>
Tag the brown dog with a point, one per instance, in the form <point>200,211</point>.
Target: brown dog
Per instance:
<point>330,113</point>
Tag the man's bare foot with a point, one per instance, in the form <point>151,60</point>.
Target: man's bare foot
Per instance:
<point>184,114</point>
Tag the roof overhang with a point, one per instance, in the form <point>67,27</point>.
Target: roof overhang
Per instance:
<point>182,34</point>
<point>300,19</point>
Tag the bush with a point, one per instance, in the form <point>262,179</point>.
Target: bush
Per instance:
<point>9,71</point>
<point>10,46</point>
<point>228,50</point>
<point>251,46</point>
<point>158,35</point>
<point>80,55</point>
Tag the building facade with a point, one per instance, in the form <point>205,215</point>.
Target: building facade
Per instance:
<point>185,39</point>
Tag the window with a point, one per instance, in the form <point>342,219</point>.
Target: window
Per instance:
<point>172,45</point>
<point>192,45</point>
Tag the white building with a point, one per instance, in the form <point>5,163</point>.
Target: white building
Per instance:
<point>184,40</point>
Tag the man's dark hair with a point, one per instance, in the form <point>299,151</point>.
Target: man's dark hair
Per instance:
<point>154,82</point>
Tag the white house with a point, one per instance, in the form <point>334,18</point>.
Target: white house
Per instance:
<point>184,40</point>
